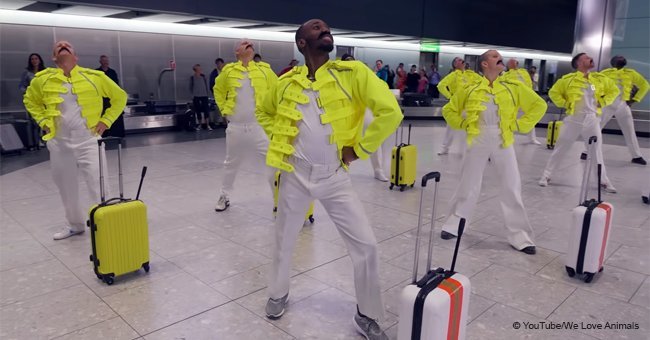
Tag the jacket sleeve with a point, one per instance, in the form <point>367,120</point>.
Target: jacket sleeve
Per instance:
<point>266,111</point>
<point>533,106</point>
<point>557,92</point>
<point>526,77</point>
<point>33,100</point>
<point>375,95</point>
<point>221,90</point>
<point>24,82</point>
<point>642,84</point>
<point>611,91</point>
<point>452,111</point>
<point>117,98</point>
<point>443,85</point>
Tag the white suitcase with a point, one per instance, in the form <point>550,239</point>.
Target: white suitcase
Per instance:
<point>436,306</point>
<point>590,228</point>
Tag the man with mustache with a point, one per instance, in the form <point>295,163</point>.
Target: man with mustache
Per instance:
<point>315,119</point>
<point>520,74</point>
<point>491,105</point>
<point>67,104</point>
<point>238,89</point>
<point>583,94</point>
<point>450,84</point>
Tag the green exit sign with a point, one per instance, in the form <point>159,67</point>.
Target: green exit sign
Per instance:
<point>430,47</point>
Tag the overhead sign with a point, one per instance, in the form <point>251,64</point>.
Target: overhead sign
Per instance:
<point>429,47</point>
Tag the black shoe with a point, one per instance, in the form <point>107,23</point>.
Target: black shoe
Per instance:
<point>583,156</point>
<point>639,160</point>
<point>530,250</point>
<point>446,236</point>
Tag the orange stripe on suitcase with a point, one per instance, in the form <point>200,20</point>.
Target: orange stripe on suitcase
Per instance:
<point>455,290</point>
<point>608,219</point>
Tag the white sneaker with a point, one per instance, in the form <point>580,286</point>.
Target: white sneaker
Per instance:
<point>443,151</point>
<point>535,141</point>
<point>67,232</point>
<point>544,181</point>
<point>608,187</point>
<point>223,203</point>
<point>380,176</point>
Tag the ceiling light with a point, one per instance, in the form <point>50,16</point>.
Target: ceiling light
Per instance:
<point>229,23</point>
<point>166,18</point>
<point>89,11</point>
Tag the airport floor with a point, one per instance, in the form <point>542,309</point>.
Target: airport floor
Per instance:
<point>208,269</point>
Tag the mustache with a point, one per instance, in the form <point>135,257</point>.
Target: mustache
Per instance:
<point>64,49</point>
<point>326,33</point>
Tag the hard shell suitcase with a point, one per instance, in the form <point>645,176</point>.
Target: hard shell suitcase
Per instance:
<point>553,132</point>
<point>9,139</point>
<point>436,306</point>
<point>119,229</point>
<point>403,163</point>
<point>590,228</point>
<point>276,190</point>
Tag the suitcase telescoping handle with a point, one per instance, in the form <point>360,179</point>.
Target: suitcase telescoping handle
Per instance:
<point>584,188</point>
<point>102,143</point>
<point>401,134</point>
<point>144,172</point>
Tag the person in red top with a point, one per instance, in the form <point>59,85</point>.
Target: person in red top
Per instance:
<point>292,63</point>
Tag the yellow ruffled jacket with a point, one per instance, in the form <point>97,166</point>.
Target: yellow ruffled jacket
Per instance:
<point>225,87</point>
<point>569,90</point>
<point>508,96</point>
<point>626,78</point>
<point>345,89</point>
<point>519,75</point>
<point>456,80</point>
<point>44,95</point>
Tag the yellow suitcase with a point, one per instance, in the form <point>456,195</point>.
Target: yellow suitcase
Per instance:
<point>403,164</point>
<point>118,230</point>
<point>276,189</point>
<point>552,133</point>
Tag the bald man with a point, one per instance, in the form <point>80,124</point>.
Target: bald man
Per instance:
<point>515,73</point>
<point>238,89</point>
<point>54,99</point>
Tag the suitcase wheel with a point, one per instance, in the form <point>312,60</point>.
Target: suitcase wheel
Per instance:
<point>601,269</point>
<point>550,147</point>
<point>402,187</point>
<point>99,276</point>
<point>146,267</point>
<point>589,277</point>
<point>391,187</point>
<point>311,219</point>
<point>91,258</point>
<point>412,185</point>
<point>570,271</point>
<point>108,280</point>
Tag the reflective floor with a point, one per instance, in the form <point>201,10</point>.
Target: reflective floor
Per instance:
<point>208,269</point>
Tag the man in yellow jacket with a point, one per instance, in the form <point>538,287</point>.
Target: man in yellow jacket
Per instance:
<point>238,89</point>
<point>520,74</point>
<point>491,105</point>
<point>315,119</point>
<point>625,79</point>
<point>67,104</point>
<point>450,84</point>
<point>583,94</point>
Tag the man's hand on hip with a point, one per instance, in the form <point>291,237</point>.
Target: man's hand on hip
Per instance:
<point>100,128</point>
<point>348,155</point>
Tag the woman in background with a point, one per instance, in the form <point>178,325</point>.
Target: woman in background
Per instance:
<point>34,65</point>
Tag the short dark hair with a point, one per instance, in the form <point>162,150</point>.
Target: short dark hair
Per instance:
<point>483,57</point>
<point>195,66</point>
<point>574,61</point>
<point>618,61</point>
<point>379,60</point>
<point>347,56</point>
<point>257,55</point>
<point>218,60</point>
<point>103,56</point>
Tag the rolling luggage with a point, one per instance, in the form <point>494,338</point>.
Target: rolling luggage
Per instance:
<point>118,229</point>
<point>403,164</point>
<point>276,189</point>
<point>436,306</point>
<point>9,139</point>
<point>590,228</point>
<point>553,132</point>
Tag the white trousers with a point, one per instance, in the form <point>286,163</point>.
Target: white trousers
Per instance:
<point>380,158</point>
<point>463,202</point>
<point>573,127</point>
<point>623,114</point>
<point>330,184</point>
<point>243,141</point>
<point>450,135</point>
<point>71,155</point>
<point>532,135</point>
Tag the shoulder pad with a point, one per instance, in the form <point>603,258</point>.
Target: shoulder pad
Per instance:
<point>569,75</point>
<point>227,67</point>
<point>263,64</point>
<point>346,65</point>
<point>91,71</point>
<point>49,70</point>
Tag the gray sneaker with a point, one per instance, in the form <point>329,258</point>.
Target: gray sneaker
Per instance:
<point>368,328</point>
<point>275,307</point>
<point>67,232</point>
<point>222,204</point>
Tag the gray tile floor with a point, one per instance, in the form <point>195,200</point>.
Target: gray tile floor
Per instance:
<point>208,273</point>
